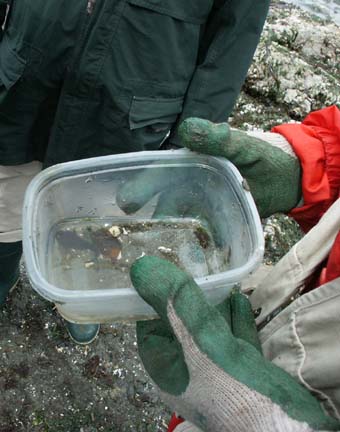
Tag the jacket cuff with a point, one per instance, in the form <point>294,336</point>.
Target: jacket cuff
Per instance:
<point>316,142</point>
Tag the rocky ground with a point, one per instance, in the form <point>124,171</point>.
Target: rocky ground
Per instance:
<point>295,70</point>
<point>47,383</point>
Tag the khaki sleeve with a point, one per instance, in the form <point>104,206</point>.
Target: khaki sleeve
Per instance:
<point>304,340</point>
<point>13,183</point>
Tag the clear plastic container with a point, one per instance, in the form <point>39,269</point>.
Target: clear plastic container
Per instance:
<point>79,243</point>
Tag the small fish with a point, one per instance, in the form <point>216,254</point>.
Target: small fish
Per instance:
<point>106,245</point>
<point>203,237</point>
<point>72,240</point>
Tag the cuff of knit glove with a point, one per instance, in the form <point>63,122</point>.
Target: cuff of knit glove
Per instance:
<point>279,141</point>
<point>187,427</point>
<point>316,142</point>
<point>275,140</point>
<point>276,422</point>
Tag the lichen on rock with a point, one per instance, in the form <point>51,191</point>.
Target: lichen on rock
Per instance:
<point>296,68</point>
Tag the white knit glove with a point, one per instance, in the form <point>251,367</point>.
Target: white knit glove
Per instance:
<point>229,405</point>
<point>189,427</point>
<point>207,360</point>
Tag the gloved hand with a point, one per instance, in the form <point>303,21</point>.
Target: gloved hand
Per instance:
<point>265,160</point>
<point>206,360</point>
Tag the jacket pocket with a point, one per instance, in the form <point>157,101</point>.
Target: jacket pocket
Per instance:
<point>152,119</point>
<point>12,66</point>
<point>150,111</point>
<point>194,11</point>
<point>304,340</point>
<point>158,44</point>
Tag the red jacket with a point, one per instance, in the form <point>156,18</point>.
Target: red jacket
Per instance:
<point>316,142</point>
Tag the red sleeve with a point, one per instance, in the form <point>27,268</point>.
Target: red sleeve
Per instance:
<point>316,142</point>
<point>174,422</point>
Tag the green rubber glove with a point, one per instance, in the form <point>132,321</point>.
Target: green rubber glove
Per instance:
<point>134,194</point>
<point>206,360</point>
<point>265,160</point>
<point>268,164</point>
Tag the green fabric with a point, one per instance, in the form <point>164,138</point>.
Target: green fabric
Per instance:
<point>244,328</point>
<point>158,346</point>
<point>159,282</point>
<point>10,255</point>
<point>118,77</point>
<point>140,189</point>
<point>274,177</point>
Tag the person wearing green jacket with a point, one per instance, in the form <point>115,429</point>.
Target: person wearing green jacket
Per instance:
<point>86,78</point>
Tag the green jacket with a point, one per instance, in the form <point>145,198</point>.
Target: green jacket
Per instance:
<point>82,78</point>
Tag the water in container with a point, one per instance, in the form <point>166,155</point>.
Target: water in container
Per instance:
<point>90,253</point>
